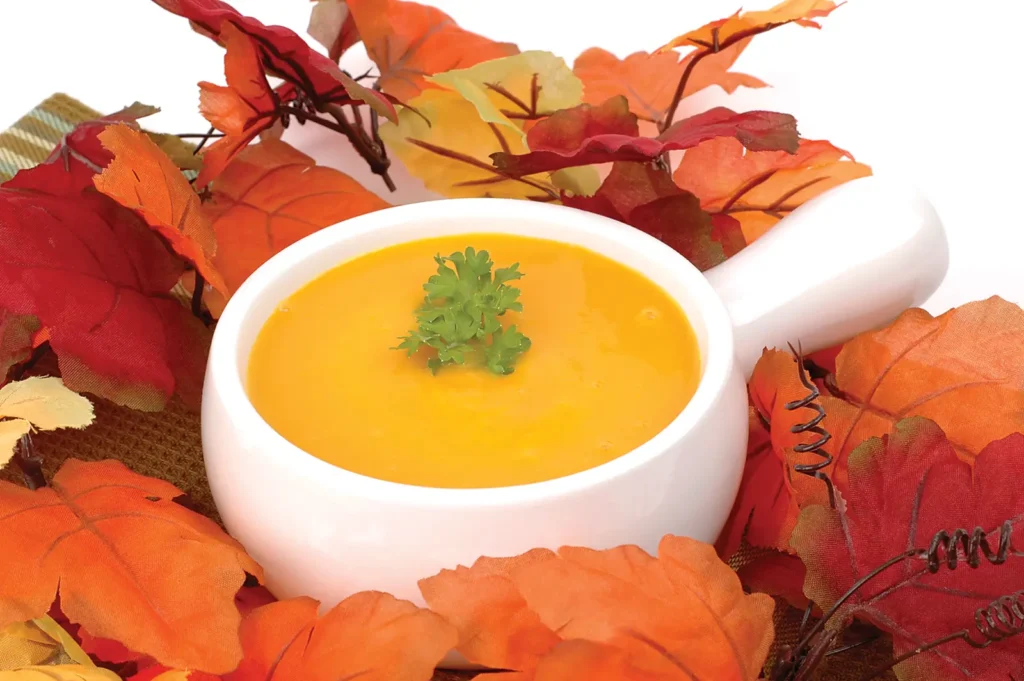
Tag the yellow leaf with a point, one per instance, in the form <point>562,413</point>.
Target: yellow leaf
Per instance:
<point>23,644</point>
<point>441,139</point>
<point>64,672</point>
<point>511,90</point>
<point>581,181</point>
<point>71,648</point>
<point>46,403</point>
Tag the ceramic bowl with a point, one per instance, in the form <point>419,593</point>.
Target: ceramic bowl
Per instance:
<point>845,262</point>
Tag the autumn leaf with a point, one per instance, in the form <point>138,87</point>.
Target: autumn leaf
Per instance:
<point>16,339</point>
<point>759,188</point>
<point>648,81</point>
<point>130,564</point>
<point>69,672</point>
<point>902,490</point>
<point>684,610</point>
<point>121,336</point>
<point>23,644</point>
<point>718,35</point>
<point>141,177</point>
<point>243,109</point>
<point>38,403</point>
<point>409,41</point>
<point>370,635</point>
<point>756,130</point>
<point>332,25</point>
<point>271,196</point>
<point>160,673</point>
<point>645,197</point>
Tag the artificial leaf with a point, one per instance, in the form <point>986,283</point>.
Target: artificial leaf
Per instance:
<point>645,197</point>
<point>271,196</point>
<point>684,610</point>
<point>122,336</point>
<point>718,35</point>
<point>496,627</point>
<point>23,644</point>
<point>160,673</point>
<point>331,24</point>
<point>282,51</point>
<point>441,139</point>
<point>902,490</point>
<point>141,177</point>
<point>511,90</point>
<point>777,574</point>
<point>758,188</point>
<point>648,81</point>
<point>409,41</point>
<point>16,339</point>
<point>756,130</point>
<point>67,643</point>
<point>130,564</point>
<point>243,109</point>
<point>66,672</point>
<point>38,402</point>
<point>370,635</point>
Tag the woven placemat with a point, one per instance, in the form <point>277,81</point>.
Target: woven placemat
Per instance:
<point>167,444</point>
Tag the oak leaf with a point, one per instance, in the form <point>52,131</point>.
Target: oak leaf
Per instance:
<point>718,35</point>
<point>902,490</point>
<point>66,672</point>
<point>678,616</point>
<point>756,130</point>
<point>121,336</point>
<point>271,196</point>
<point>759,188</point>
<point>128,563</point>
<point>143,178</point>
<point>648,81</point>
<point>409,41</point>
<point>38,403</point>
<point>370,635</point>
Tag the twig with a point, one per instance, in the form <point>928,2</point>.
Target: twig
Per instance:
<point>31,465</point>
<point>194,135</point>
<point>378,162</point>
<point>202,143</point>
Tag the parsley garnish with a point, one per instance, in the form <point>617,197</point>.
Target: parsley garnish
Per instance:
<point>461,310</point>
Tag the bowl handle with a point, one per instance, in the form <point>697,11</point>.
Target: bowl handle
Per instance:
<point>845,262</point>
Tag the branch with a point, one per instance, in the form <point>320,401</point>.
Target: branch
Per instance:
<point>378,161</point>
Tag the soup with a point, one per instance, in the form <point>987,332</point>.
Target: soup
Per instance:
<point>613,361</point>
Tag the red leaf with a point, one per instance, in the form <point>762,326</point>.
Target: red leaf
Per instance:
<point>756,130</point>
<point>121,335</point>
<point>902,490</point>
<point>777,574</point>
<point>408,42</point>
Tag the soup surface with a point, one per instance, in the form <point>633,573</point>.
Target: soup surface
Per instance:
<point>613,361</point>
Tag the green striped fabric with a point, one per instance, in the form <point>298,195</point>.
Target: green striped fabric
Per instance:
<point>29,141</point>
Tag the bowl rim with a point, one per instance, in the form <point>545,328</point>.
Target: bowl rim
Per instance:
<point>224,378</point>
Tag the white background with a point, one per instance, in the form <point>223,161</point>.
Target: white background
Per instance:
<point>926,90</point>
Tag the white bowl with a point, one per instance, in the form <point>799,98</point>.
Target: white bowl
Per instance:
<point>847,261</point>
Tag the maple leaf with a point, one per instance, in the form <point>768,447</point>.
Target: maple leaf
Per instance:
<point>143,178</point>
<point>38,403</point>
<point>679,616</point>
<point>759,188</point>
<point>161,673</point>
<point>649,80</point>
<point>61,672</point>
<point>409,41</point>
<point>369,635</point>
<point>645,197</point>
<point>902,490</point>
<point>332,25</point>
<point>121,336</point>
<point>271,196</point>
<point>756,130</point>
<point>130,564</point>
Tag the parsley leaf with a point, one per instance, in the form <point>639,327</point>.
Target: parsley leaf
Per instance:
<point>461,309</point>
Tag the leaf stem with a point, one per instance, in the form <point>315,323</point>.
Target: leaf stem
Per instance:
<point>31,465</point>
<point>378,162</point>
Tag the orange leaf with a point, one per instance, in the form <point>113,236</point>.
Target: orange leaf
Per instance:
<point>130,564</point>
<point>141,177</point>
<point>654,617</point>
<point>648,81</point>
<point>370,635</point>
<point>242,110</point>
<point>720,34</point>
<point>758,188</point>
<point>408,42</point>
<point>271,196</point>
<point>496,627</point>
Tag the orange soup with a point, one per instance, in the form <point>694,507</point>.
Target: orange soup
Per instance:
<point>613,361</point>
